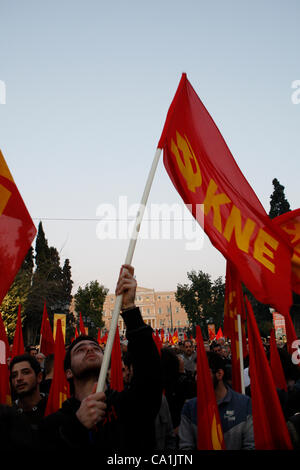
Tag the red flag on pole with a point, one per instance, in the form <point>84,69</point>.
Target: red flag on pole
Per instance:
<point>59,390</point>
<point>210,434</point>
<point>17,230</point>
<point>275,364</point>
<point>47,341</point>
<point>290,223</point>
<point>234,306</point>
<point>18,343</point>
<point>81,325</point>
<point>5,397</point>
<point>210,182</point>
<point>157,341</point>
<point>219,334</point>
<point>270,430</point>
<point>116,374</point>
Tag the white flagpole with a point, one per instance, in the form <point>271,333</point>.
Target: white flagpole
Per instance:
<point>128,259</point>
<point>241,353</point>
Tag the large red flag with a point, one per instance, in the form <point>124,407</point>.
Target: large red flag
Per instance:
<point>210,182</point>
<point>290,223</point>
<point>47,341</point>
<point>210,434</point>
<point>59,390</point>
<point>275,364</point>
<point>116,374</point>
<point>18,343</point>
<point>234,306</point>
<point>5,397</point>
<point>270,430</point>
<point>17,230</point>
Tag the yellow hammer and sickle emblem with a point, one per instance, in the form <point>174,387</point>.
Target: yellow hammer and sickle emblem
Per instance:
<point>189,168</point>
<point>4,193</point>
<point>216,434</point>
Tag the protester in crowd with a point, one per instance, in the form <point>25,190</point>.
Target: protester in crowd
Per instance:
<point>25,378</point>
<point>189,356</point>
<point>109,421</point>
<point>234,408</point>
<point>31,350</point>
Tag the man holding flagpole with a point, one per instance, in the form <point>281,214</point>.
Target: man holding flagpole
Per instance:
<point>109,421</point>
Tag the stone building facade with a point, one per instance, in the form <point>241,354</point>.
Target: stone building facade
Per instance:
<point>159,310</point>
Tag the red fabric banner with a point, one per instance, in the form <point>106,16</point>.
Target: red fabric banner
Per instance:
<point>17,230</point>
<point>270,430</point>
<point>47,341</point>
<point>290,223</point>
<point>234,306</point>
<point>210,182</point>
<point>59,390</point>
<point>210,434</point>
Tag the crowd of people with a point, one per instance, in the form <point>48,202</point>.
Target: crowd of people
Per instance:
<point>157,409</point>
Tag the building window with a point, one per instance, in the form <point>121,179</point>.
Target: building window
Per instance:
<point>148,310</point>
<point>159,310</point>
<point>177,309</point>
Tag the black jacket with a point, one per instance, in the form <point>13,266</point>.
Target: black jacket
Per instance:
<point>130,416</point>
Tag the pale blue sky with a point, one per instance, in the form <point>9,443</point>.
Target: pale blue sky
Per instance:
<point>88,86</point>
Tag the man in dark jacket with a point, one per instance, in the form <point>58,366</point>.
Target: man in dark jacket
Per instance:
<point>111,421</point>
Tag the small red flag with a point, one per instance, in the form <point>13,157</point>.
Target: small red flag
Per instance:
<point>59,390</point>
<point>76,333</point>
<point>81,325</point>
<point>270,430</point>
<point>211,331</point>
<point>157,341</point>
<point>219,334</point>
<point>275,364</point>
<point>47,341</point>
<point>18,343</point>
<point>5,397</point>
<point>116,374</point>
<point>210,434</point>
<point>210,182</point>
<point>99,336</point>
<point>17,230</point>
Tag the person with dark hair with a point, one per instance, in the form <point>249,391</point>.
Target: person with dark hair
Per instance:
<point>25,379</point>
<point>109,421</point>
<point>189,356</point>
<point>31,350</point>
<point>235,412</point>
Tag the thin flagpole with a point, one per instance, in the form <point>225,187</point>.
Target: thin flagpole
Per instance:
<point>241,353</point>
<point>128,260</point>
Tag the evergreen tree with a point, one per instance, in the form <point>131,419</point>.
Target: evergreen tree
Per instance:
<point>50,284</point>
<point>89,301</point>
<point>278,204</point>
